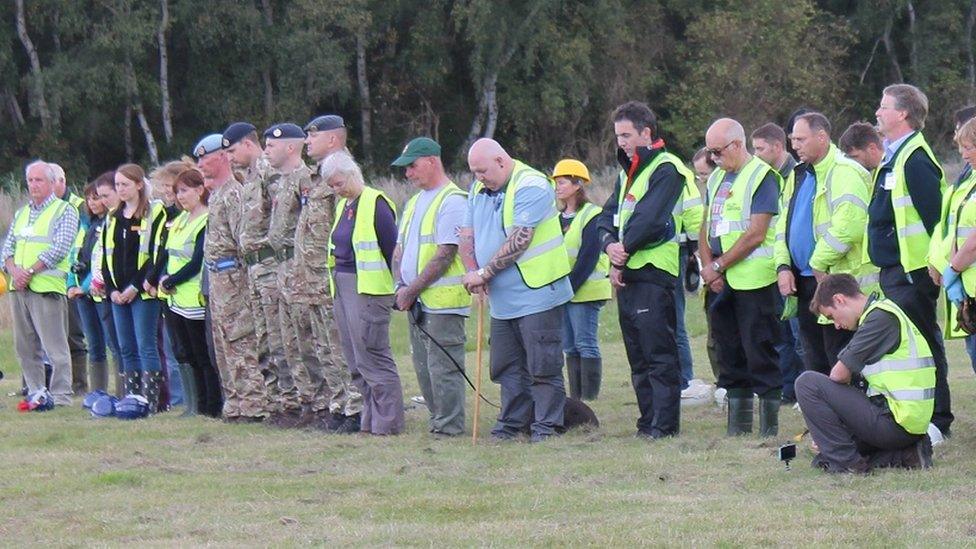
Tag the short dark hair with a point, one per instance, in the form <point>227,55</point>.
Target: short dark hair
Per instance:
<point>816,121</point>
<point>858,136</point>
<point>963,115</point>
<point>703,153</point>
<point>771,133</point>
<point>830,286</point>
<point>639,114</point>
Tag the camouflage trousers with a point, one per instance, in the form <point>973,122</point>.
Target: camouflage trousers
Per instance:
<point>282,393</point>
<point>236,346</point>
<point>329,384</point>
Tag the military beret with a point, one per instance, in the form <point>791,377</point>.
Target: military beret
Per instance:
<point>207,145</point>
<point>325,123</point>
<point>285,130</point>
<point>237,131</point>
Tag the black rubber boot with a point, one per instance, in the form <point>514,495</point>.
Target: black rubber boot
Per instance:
<point>152,383</point>
<point>591,377</point>
<point>740,414</point>
<point>132,383</point>
<point>189,391</point>
<point>574,373</point>
<point>769,415</point>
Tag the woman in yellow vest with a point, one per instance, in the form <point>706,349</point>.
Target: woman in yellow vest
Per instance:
<point>105,186</point>
<point>360,252</point>
<point>954,251</point>
<point>588,277</point>
<point>128,243</point>
<point>180,282</point>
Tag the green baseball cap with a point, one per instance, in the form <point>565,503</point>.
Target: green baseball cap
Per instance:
<point>417,148</point>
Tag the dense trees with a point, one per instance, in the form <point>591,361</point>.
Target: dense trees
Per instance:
<point>96,82</point>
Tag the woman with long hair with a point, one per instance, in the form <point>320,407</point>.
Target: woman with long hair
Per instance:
<point>129,242</point>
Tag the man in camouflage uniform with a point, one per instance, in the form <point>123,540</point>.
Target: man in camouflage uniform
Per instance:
<point>235,343</point>
<point>260,183</point>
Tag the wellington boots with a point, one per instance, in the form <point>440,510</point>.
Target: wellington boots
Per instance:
<point>573,371</point>
<point>190,398</point>
<point>740,415</point>
<point>79,373</point>
<point>132,385</point>
<point>592,374</point>
<point>769,416</point>
<point>119,384</point>
<point>152,382</point>
<point>98,376</point>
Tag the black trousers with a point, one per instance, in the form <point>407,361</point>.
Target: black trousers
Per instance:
<point>821,342</point>
<point>745,327</point>
<point>190,347</point>
<point>647,323</point>
<point>852,432</point>
<point>917,295</point>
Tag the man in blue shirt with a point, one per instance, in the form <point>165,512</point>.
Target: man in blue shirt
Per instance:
<point>526,322</point>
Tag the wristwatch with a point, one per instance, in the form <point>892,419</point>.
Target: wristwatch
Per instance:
<point>481,272</point>
<point>31,271</point>
<point>716,266</point>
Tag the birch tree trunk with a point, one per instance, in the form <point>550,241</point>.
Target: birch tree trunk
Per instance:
<point>48,123</point>
<point>164,71</point>
<point>365,104</point>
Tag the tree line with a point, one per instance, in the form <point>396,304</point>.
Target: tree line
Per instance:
<point>94,83</point>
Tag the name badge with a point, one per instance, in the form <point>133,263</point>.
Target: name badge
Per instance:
<point>616,220</point>
<point>722,228</point>
<point>27,231</point>
<point>889,181</point>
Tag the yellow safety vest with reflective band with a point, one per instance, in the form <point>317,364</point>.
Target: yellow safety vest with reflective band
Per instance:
<point>958,224</point>
<point>597,286</point>
<point>373,275</point>
<point>663,256</point>
<point>31,240</point>
<point>447,292</point>
<point>545,261</point>
<point>913,239</point>
<point>689,209</point>
<point>179,246</point>
<point>758,269</point>
<point>149,232</point>
<point>906,376</point>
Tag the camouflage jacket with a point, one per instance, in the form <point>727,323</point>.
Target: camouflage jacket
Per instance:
<point>260,185</point>
<point>223,223</point>
<point>312,240</point>
<point>285,207</point>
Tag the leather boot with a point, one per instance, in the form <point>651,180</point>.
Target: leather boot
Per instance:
<point>98,376</point>
<point>740,413</point>
<point>132,384</point>
<point>189,391</point>
<point>769,415</point>
<point>574,371</point>
<point>152,382</point>
<point>592,374</point>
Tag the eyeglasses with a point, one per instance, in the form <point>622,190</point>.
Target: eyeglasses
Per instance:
<point>718,152</point>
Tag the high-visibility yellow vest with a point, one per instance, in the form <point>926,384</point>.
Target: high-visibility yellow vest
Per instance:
<point>373,275</point>
<point>958,224</point>
<point>689,209</point>
<point>31,240</point>
<point>906,376</point>
<point>180,245</point>
<point>447,292</point>
<point>758,269</point>
<point>150,228</point>
<point>545,261</point>
<point>597,285</point>
<point>913,238</point>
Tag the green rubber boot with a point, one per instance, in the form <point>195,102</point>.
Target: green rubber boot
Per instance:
<point>574,373</point>
<point>740,412</point>
<point>189,391</point>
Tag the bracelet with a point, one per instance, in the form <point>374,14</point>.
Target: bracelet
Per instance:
<point>953,267</point>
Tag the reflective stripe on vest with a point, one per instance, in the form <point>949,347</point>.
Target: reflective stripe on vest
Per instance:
<point>149,234</point>
<point>33,239</point>
<point>180,246</point>
<point>373,275</point>
<point>906,376</point>
<point>597,285</point>
<point>446,292</point>
<point>663,256</point>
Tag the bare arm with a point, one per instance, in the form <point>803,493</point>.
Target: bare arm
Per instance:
<point>513,247</point>
<point>751,239</point>
<point>395,267</point>
<point>466,249</point>
<point>840,374</point>
<point>435,268</point>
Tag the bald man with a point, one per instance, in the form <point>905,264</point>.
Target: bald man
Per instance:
<point>736,248</point>
<point>512,248</point>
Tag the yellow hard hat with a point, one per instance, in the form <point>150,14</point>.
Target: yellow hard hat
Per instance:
<point>569,167</point>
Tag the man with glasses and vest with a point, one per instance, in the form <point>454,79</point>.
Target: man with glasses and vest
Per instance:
<point>904,211</point>
<point>736,249</point>
<point>639,232</point>
<point>856,432</point>
<point>35,256</point>
<point>512,247</point>
<point>428,272</point>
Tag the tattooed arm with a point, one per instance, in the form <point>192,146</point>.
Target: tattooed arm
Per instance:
<point>515,245</point>
<point>466,249</point>
<point>435,268</point>
<point>395,267</point>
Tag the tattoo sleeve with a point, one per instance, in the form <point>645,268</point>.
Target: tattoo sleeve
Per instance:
<point>395,267</point>
<point>514,246</point>
<point>466,249</point>
<point>435,268</point>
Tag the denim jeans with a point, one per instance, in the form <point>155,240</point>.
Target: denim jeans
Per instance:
<point>136,326</point>
<point>971,350</point>
<point>172,367</point>
<point>681,333</point>
<point>581,321</point>
<point>91,324</point>
<point>107,320</point>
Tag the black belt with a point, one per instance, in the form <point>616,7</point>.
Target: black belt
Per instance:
<point>258,256</point>
<point>223,264</point>
<point>285,254</point>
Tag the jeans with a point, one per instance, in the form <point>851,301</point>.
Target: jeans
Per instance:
<point>580,324</point>
<point>107,319</point>
<point>971,350</point>
<point>681,333</point>
<point>172,366</point>
<point>91,324</point>
<point>136,326</point>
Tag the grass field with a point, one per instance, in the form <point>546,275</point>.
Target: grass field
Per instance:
<point>69,480</point>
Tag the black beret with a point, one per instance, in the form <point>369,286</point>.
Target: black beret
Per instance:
<point>285,130</point>
<point>325,123</point>
<point>235,132</point>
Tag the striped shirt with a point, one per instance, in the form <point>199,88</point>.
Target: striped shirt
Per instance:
<point>65,229</point>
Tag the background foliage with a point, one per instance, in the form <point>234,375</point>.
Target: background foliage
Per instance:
<point>114,80</point>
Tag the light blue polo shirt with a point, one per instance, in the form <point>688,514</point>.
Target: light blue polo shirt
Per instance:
<point>508,295</point>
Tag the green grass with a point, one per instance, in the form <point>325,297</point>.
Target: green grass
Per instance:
<point>70,480</point>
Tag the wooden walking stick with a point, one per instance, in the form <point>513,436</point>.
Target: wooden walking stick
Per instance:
<point>477,379</point>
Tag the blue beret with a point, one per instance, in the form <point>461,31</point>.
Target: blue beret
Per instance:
<point>208,144</point>
<point>285,130</point>
<point>237,131</point>
<point>325,123</point>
